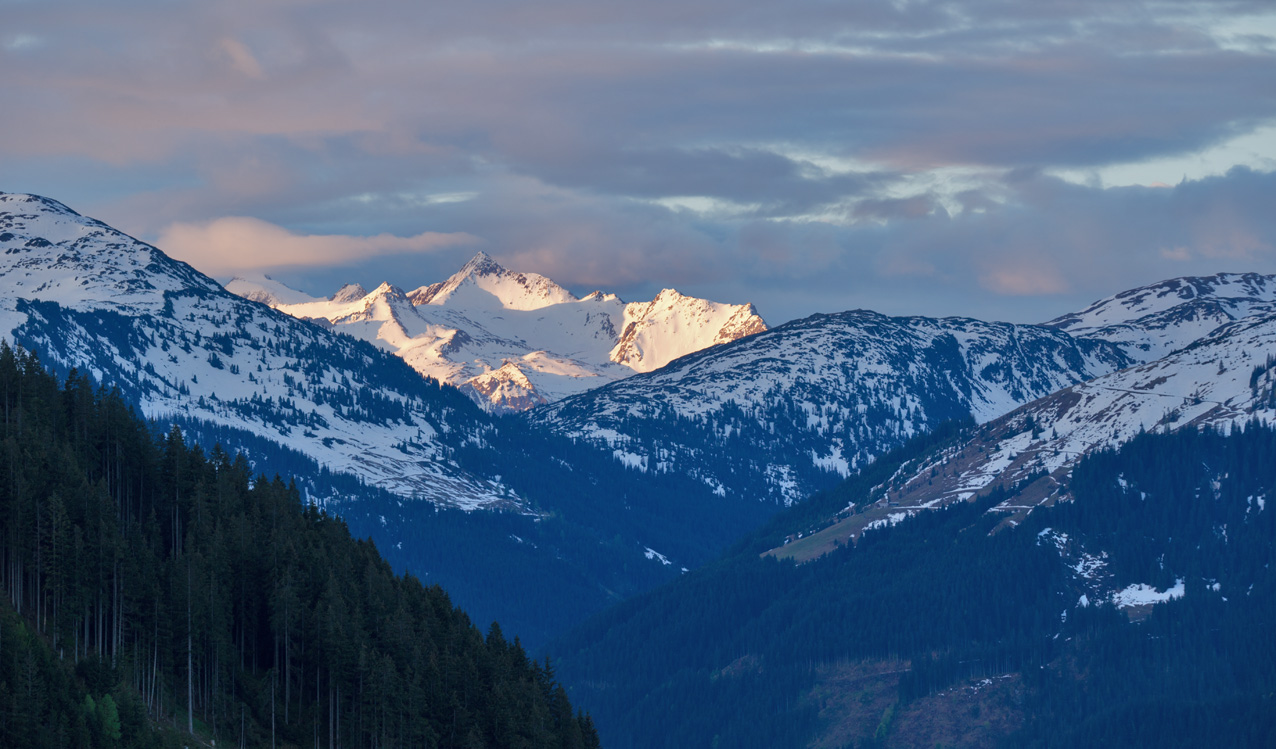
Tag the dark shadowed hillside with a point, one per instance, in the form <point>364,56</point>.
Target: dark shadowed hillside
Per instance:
<point>154,591</point>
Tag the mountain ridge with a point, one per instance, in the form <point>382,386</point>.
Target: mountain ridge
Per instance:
<point>514,340</point>
<point>1151,321</point>
<point>816,398</point>
<point>88,296</point>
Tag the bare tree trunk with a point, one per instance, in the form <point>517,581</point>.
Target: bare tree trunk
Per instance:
<point>287,670</point>
<point>318,711</point>
<point>190,690</point>
<point>155,662</point>
<point>115,611</point>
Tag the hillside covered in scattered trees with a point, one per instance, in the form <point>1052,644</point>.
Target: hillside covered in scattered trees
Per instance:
<point>153,590</point>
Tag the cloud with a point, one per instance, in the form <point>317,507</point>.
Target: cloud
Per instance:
<point>1026,280</point>
<point>805,156</point>
<point>241,58</point>
<point>23,43</point>
<point>235,243</point>
<point>888,209</point>
<point>603,96</point>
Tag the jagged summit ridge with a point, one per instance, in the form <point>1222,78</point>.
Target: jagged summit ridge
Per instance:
<point>516,340</point>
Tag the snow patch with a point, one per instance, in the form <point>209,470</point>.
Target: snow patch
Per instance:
<point>892,519</point>
<point>1141,594</point>
<point>651,553</point>
<point>631,460</point>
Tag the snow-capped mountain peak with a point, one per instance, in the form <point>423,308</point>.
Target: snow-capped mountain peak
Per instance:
<point>515,340</point>
<point>349,293</point>
<point>14,203</point>
<point>483,282</point>
<point>481,264</point>
<point>508,385</point>
<point>51,253</point>
<point>385,302</point>
<point>387,290</point>
<point>657,332</point>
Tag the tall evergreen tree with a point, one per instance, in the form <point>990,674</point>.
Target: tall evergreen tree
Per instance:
<point>153,591</point>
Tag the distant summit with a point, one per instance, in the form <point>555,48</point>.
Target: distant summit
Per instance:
<point>481,264</point>
<point>673,325</point>
<point>349,293</point>
<point>266,290</point>
<point>515,340</point>
<point>482,281</point>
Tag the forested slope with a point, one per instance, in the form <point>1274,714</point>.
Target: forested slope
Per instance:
<point>948,629</point>
<point>153,590</point>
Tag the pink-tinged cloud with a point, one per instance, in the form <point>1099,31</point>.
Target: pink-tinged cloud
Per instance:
<point>1024,280</point>
<point>237,243</point>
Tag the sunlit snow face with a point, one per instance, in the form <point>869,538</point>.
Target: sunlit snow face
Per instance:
<point>515,340</point>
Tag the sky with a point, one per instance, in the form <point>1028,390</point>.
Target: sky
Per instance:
<point>992,158</point>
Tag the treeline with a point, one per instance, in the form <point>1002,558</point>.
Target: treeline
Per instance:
<point>154,590</point>
<point>733,654</point>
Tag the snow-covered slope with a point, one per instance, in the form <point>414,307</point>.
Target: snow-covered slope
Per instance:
<point>84,295</point>
<point>1151,321</point>
<point>515,340</point>
<point>1222,381</point>
<point>780,414</point>
<point>673,325</point>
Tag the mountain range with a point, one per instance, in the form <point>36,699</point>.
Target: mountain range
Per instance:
<point>784,413</point>
<point>1219,335</point>
<point>394,453</point>
<point>1092,568</point>
<point>706,423</point>
<point>935,526</point>
<point>516,340</point>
